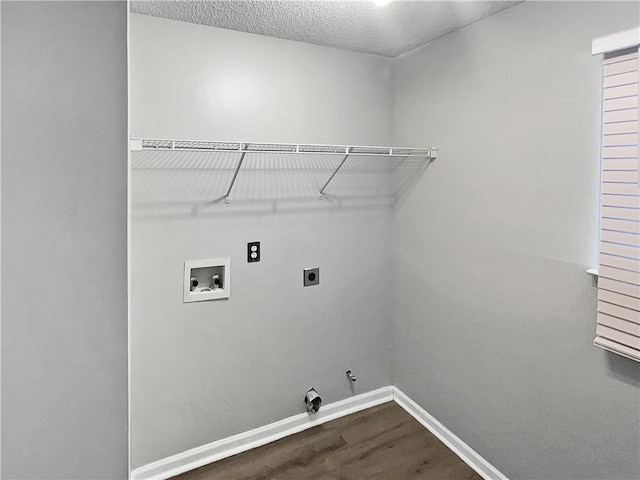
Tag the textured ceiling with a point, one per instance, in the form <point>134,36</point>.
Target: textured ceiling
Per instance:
<point>361,26</point>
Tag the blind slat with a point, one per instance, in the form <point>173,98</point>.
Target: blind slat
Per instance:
<point>619,324</point>
<point>627,314</point>
<point>619,237</point>
<point>621,116</point>
<point>620,176</point>
<point>621,91</point>
<point>621,213</point>
<point>614,129</point>
<point>615,347</point>
<point>621,103</point>
<point>619,287</point>
<point>620,189</point>
<point>616,151</point>
<point>620,151</point>
<point>620,201</point>
<point>625,66</point>
<point>620,79</point>
<point>616,57</point>
<point>618,336</point>
<point>625,301</point>
<point>622,226</point>
<point>619,262</point>
<point>625,276</point>
<point>627,164</point>
<point>620,250</point>
<point>622,138</point>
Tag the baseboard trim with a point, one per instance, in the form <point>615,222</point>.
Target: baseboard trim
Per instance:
<point>446,436</point>
<point>212,452</point>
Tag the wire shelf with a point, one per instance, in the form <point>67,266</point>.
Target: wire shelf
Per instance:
<point>154,144</point>
<point>210,172</point>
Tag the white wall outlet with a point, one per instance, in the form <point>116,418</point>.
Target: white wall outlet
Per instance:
<point>207,279</point>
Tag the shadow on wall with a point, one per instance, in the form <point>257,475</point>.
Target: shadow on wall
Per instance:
<point>623,369</point>
<point>195,183</point>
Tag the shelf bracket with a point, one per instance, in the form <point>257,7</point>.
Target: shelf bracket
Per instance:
<point>233,180</point>
<point>333,175</point>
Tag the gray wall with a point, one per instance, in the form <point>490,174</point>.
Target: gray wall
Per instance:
<point>64,221</point>
<point>493,312</point>
<point>264,89</point>
<point>194,367</point>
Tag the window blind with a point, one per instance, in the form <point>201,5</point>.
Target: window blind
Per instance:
<point>618,316</point>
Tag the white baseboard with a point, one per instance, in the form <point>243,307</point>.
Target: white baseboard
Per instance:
<point>446,436</point>
<point>212,452</point>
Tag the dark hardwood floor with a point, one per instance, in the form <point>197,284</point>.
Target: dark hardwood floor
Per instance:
<point>383,442</point>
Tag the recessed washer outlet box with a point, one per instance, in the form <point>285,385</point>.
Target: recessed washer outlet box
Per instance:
<point>207,279</point>
<point>310,276</point>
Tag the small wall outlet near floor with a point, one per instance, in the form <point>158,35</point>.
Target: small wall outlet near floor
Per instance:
<point>310,276</point>
<point>207,279</point>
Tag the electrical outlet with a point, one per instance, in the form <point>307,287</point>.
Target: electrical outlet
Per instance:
<point>253,252</point>
<point>311,276</point>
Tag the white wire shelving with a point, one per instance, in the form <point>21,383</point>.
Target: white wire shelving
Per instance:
<point>330,160</point>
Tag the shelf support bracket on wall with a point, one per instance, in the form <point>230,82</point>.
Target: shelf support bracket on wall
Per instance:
<point>333,175</point>
<point>233,180</point>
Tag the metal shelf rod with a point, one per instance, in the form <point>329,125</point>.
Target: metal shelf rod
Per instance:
<point>333,175</point>
<point>233,180</point>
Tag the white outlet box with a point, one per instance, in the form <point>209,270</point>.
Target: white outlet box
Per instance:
<point>213,277</point>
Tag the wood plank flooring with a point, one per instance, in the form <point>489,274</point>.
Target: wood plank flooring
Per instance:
<point>383,442</point>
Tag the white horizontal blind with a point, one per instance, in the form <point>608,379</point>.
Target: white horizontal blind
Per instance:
<point>618,318</point>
